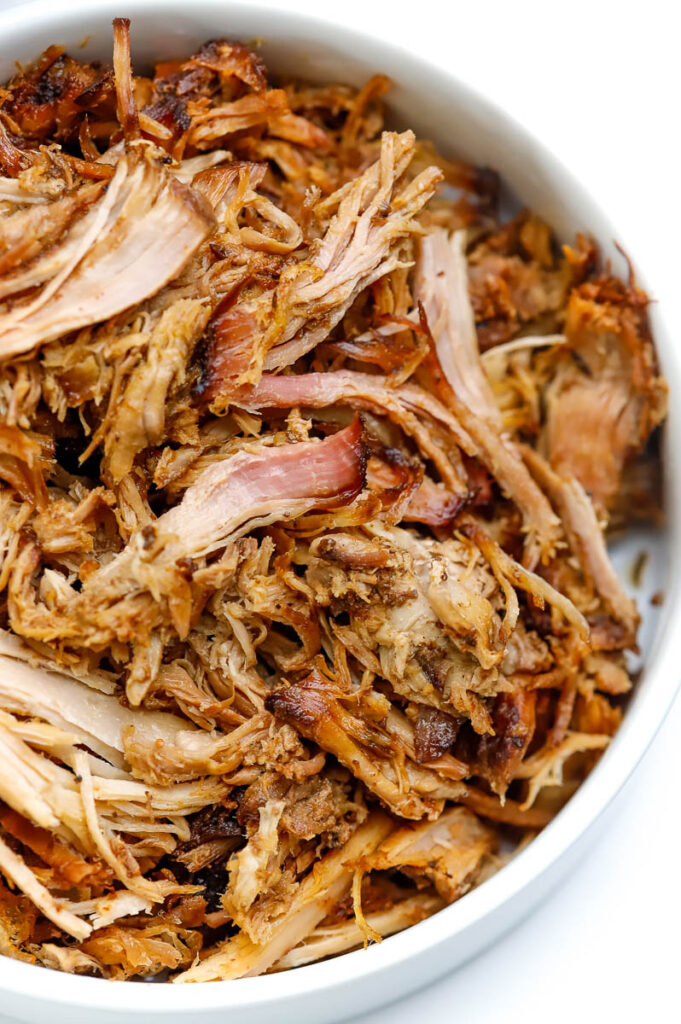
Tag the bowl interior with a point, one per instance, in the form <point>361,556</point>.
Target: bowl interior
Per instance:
<point>295,47</point>
<point>461,124</point>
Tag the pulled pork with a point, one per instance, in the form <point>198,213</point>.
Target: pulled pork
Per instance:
<point>306,467</point>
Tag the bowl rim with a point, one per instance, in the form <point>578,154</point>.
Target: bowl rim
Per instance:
<point>640,724</point>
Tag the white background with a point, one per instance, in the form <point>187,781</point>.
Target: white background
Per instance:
<point>600,84</point>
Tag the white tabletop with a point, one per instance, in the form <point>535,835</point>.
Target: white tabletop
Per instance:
<point>600,83</point>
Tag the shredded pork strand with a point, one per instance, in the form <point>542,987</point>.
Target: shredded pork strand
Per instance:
<point>307,617</point>
<point>116,260</point>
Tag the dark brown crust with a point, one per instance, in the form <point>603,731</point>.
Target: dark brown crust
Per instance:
<point>499,755</point>
<point>48,98</point>
<point>232,58</point>
<point>434,733</point>
<point>304,706</point>
<point>211,823</point>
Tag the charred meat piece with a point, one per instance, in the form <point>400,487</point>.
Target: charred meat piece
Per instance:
<point>47,99</point>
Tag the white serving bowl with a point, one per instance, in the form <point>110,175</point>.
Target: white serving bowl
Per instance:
<point>461,123</point>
